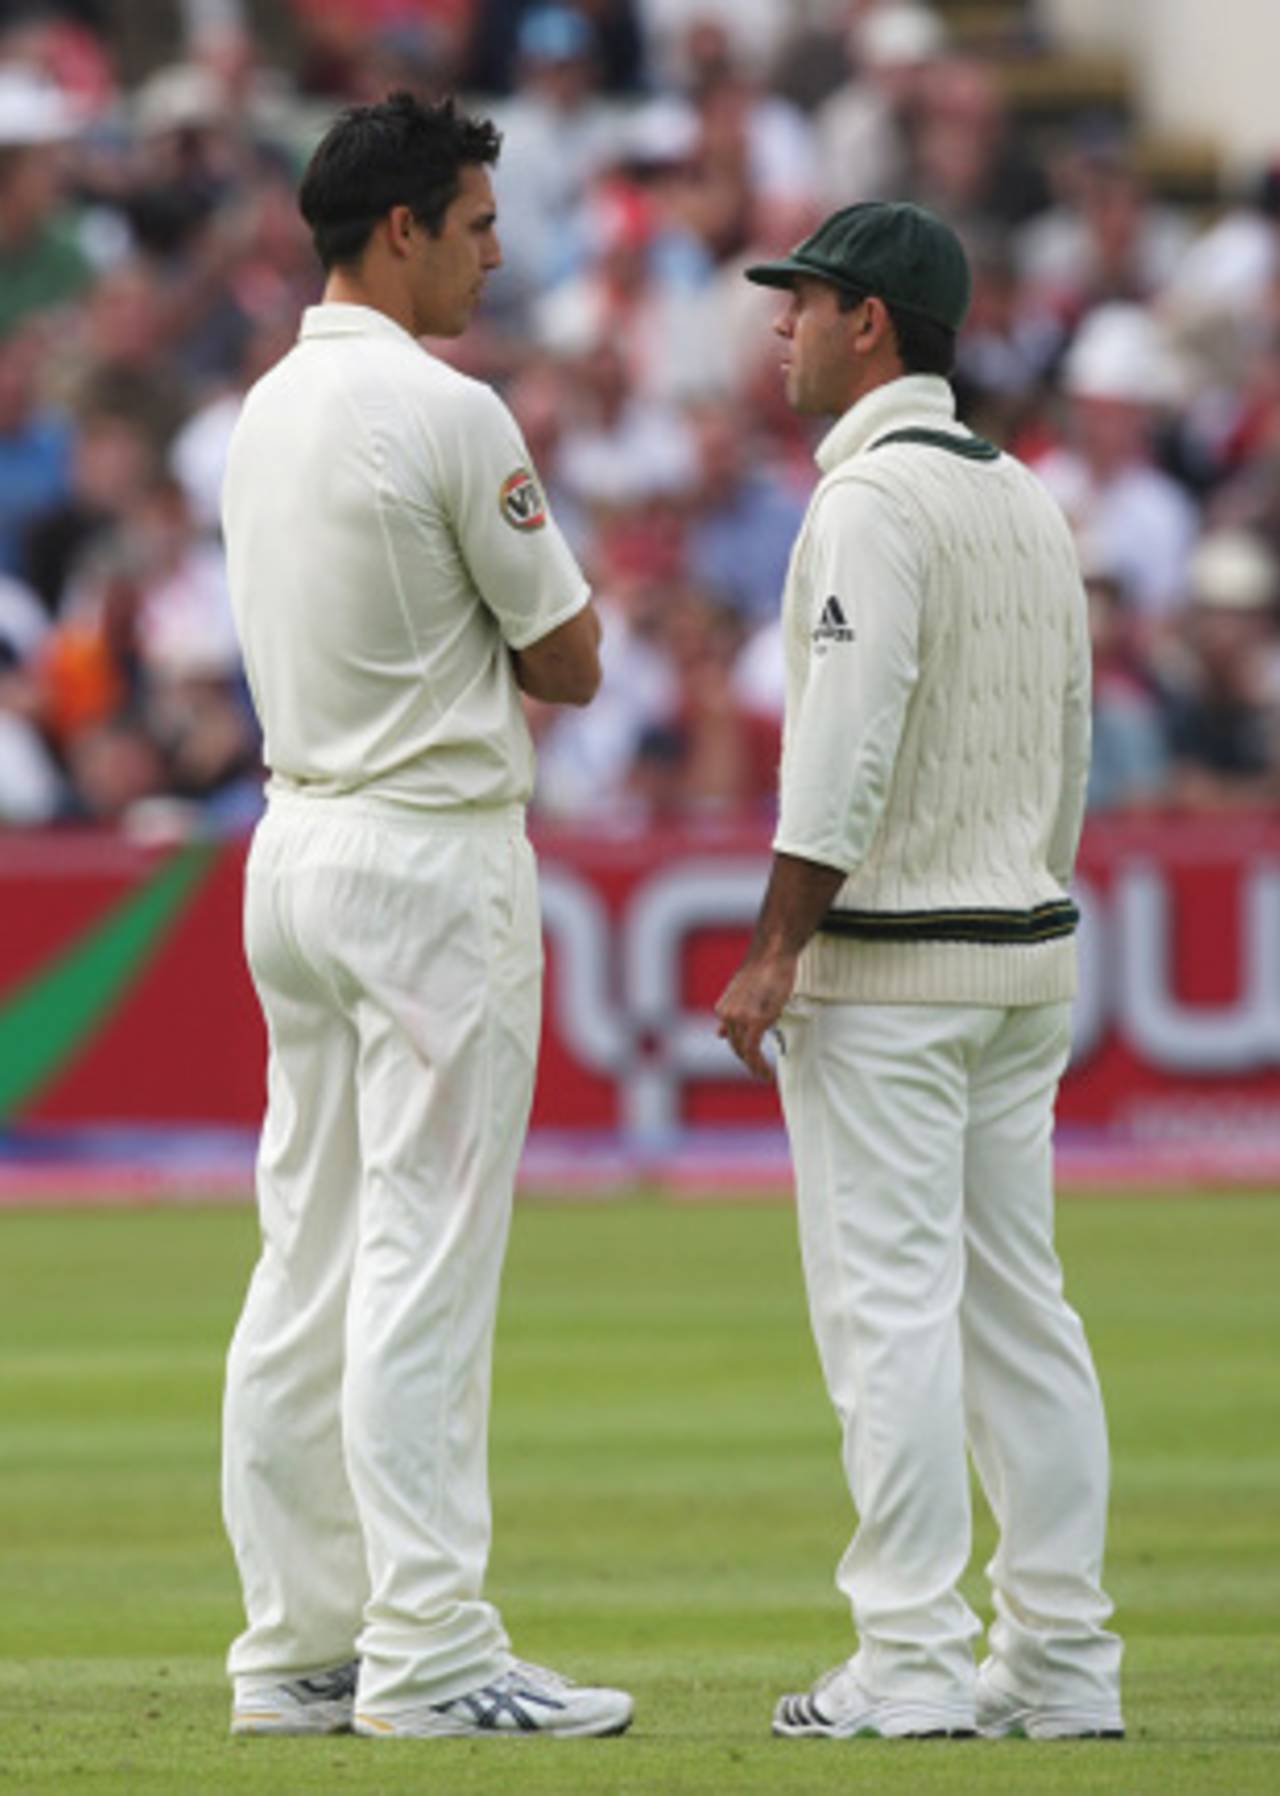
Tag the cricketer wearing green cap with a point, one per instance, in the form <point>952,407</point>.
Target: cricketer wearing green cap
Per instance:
<point>913,963</point>
<point>911,259</point>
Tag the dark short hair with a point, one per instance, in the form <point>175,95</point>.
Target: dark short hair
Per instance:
<point>924,345</point>
<point>399,152</point>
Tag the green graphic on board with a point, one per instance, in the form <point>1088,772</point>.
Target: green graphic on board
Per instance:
<point>49,1016</point>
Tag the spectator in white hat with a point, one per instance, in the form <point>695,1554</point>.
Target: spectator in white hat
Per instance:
<point>862,128</point>
<point>1116,377</point>
<point>1224,720</point>
<point>42,265</point>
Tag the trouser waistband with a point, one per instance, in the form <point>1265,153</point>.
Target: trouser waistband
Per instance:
<point>497,819</point>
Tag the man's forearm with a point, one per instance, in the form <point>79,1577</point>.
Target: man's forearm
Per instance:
<point>563,667</point>
<point>798,896</point>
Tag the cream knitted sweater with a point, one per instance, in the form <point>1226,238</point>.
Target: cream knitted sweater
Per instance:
<point>936,740</point>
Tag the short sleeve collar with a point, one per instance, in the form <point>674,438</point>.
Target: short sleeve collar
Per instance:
<point>335,318</point>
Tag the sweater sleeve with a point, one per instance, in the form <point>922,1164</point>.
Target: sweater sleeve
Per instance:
<point>860,610</point>
<point>1064,838</point>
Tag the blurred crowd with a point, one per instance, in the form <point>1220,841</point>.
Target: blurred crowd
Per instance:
<point>152,265</point>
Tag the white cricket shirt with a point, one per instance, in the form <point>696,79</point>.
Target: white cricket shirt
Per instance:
<point>387,545</point>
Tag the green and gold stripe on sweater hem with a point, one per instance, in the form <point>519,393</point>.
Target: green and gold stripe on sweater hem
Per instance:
<point>1043,923</point>
<point>970,448</point>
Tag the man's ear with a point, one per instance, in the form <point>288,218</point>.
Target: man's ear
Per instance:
<point>875,336</point>
<point>876,325</point>
<point>398,224</point>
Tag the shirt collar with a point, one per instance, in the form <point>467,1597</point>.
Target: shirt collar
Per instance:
<point>335,318</point>
<point>924,399</point>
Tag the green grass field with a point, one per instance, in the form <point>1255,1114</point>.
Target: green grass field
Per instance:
<point>668,1508</point>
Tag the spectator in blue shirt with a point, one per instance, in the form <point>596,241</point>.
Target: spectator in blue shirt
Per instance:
<point>35,446</point>
<point>744,517</point>
<point>1129,768</point>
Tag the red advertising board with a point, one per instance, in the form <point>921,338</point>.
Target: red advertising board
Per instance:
<point>124,1004</point>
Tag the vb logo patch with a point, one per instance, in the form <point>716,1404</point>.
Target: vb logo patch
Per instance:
<point>520,501</point>
<point>833,625</point>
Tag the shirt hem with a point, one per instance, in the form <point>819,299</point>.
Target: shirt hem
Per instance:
<point>1006,975</point>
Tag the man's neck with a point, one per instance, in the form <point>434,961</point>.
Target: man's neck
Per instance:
<point>868,380</point>
<point>344,288</point>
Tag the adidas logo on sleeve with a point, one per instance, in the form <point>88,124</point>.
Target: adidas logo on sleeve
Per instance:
<point>833,625</point>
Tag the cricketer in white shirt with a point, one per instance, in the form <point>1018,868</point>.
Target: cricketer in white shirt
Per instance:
<point>396,580</point>
<point>388,543</point>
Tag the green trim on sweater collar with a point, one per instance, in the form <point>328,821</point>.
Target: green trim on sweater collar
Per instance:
<point>967,447</point>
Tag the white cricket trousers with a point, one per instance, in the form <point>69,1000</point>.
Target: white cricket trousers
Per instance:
<point>922,1142</point>
<point>397,957</point>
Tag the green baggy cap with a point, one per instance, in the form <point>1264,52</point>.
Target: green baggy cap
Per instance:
<point>901,253</point>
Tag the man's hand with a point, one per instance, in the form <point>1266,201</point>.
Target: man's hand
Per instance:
<point>751,1004</point>
<point>798,895</point>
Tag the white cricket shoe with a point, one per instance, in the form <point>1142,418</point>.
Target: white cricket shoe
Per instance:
<point>525,1701</point>
<point>322,1702</point>
<point>838,1708</point>
<point>528,1699</point>
<point>1003,1716</point>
